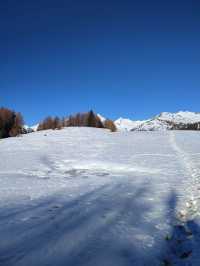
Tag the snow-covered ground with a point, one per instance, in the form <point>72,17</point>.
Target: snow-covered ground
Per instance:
<point>83,196</point>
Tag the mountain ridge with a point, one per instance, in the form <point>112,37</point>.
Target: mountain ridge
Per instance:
<point>161,122</point>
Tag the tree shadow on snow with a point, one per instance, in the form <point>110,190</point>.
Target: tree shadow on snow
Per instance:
<point>182,244</point>
<point>104,227</point>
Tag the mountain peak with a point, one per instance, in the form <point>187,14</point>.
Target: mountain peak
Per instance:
<point>163,121</point>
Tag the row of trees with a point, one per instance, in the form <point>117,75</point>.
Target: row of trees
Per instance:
<point>89,119</point>
<point>11,123</point>
<point>184,126</point>
<point>191,126</point>
<point>51,123</point>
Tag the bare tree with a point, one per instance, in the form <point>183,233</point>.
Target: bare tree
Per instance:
<point>109,124</point>
<point>11,123</point>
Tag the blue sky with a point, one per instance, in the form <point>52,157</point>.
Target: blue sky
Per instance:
<point>120,58</point>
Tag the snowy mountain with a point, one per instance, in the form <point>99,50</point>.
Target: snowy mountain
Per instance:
<point>27,129</point>
<point>154,125</point>
<point>180,117</point>
<point>35,127</point>
<point>102,118</point>
<point>163,121</point>
<point>124,124</point>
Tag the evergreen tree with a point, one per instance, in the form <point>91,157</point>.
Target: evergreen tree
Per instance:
<point>91,119</point>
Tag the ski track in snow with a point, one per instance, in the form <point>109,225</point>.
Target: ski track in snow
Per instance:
<point>192,204</point>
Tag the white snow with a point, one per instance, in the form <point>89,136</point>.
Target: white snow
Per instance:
<point>85,196</point>
<point>25,126</point>
<point>160,122</point>
<point>124,124</point>
<point>154,125</point>
<point>180,117</point>
<point>102,118</point>
<point>35,127</point>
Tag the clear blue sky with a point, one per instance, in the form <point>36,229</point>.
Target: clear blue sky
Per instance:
<point>120,58</point>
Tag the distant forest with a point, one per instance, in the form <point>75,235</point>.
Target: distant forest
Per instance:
<point>89,119</point>
<point>12,123</point>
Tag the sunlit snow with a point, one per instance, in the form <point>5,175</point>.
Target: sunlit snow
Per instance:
<point>83,196</point>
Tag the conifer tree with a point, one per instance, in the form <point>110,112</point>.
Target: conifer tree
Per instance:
<point>91,119</point>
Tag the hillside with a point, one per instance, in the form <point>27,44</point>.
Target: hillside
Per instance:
<point>85,196</point>
<point>164,121</point>
<point>124,124</point>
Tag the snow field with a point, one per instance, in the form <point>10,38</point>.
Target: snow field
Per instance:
<point>83,196</point>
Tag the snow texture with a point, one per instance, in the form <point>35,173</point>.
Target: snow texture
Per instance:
<point>102,118</point>
<point>180,117</point>
<point>124,124</point>
<point>35,127</point>
<point>85,196</point>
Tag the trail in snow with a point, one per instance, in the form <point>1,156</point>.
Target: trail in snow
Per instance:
<point>192,204</point>
<point>182,244</point>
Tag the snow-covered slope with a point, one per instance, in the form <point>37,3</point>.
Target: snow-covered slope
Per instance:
<point>163,121</point>
<point>102,118</point>
<point>85,197</point>
<point>28,129</point>
<point>169,121</point>
<point>154,125</point>
<point>124,124</point>
<point>180,117</point>
<point>35,127</point>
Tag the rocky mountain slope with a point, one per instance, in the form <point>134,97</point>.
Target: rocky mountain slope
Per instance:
<point>182,120</point>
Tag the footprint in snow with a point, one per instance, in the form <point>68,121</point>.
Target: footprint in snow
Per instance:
<point>54,208</point>
<point>179,245</point>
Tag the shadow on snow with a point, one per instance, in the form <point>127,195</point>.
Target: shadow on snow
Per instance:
<point>106,226</point>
